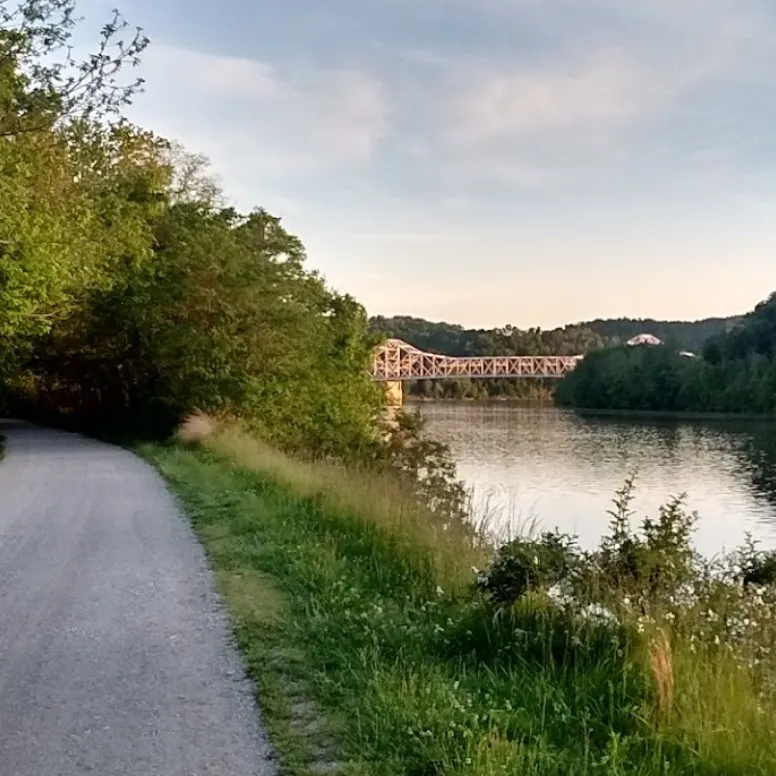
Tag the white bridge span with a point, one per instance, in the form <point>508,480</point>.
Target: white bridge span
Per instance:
<point>396,360</point>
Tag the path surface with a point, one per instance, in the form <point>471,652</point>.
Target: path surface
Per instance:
<point>115,657</point>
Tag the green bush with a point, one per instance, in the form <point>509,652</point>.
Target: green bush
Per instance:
<point>526,564</point>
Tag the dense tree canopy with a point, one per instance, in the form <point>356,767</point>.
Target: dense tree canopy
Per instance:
<point>127,287</point>
<point>574,339</point>
<point>683,335</point>
<point>735,373</point>
<point>451,340</point>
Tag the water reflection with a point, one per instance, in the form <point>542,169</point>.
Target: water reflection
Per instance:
<point>562,470</point>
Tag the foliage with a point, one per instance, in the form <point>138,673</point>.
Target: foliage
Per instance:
<point>736,374</point>
<point>454,340</point>
<point>757,568</point>
<point>525,564</point>
<point>651,567</point>
<point>60,213</point>
<point>42,85</point>
<point>129,291</point>
<point>681,335</point>
<point>416,671</point>
<point>424,466</point>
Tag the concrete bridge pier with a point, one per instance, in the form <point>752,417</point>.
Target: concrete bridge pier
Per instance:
<point>393,393</point>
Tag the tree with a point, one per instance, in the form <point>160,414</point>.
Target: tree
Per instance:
<point>128,290</point>
<point>736,373</point>
<point>49,232</point>
<point>42,85</point>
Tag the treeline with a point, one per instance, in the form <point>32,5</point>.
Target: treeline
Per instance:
<point>735,373</point>
<point>481,389</point>
<point>451,340</point>
<point>683,335</point>
<point>128,290</point>
<point>574,339</point>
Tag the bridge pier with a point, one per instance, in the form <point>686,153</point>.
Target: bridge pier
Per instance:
<point>394,396</point>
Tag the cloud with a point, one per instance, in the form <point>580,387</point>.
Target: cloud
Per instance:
<point>600,94</point>
<point>251,116</point>
<point>510,96</point>
<point>591,99</point>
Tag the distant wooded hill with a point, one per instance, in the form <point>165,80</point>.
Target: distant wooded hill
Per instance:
<point>454,340</point>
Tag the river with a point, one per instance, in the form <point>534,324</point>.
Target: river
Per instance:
<point>558,470</point>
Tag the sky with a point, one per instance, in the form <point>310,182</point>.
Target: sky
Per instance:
<point>533,162</point>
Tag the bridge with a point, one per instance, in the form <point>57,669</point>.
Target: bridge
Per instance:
<point>396,360</point>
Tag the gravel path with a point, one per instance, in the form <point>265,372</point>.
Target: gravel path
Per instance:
<point>115,656</point>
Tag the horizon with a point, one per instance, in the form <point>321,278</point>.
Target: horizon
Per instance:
<point>645,319</point>
<point>493,160</point>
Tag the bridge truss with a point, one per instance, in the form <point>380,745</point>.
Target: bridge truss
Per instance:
<point>395,360</point>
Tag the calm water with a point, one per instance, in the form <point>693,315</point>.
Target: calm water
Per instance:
<point>562,470</point>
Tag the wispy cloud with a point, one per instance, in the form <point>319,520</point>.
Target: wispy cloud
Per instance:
<point>252,114</point>
<point>531,139</point>
<point>596,96</point>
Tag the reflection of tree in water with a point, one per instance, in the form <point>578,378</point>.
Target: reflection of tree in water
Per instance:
<point>750,445</point>
<point>756,454</point>
<point>643,440</point>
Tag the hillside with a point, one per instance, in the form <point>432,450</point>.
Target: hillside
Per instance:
<point>454,340</point>
<point>687,335</point>
<point>735,372</point>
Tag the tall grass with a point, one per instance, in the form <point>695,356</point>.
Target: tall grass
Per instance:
<point>421,671</point>
<point>447,549</point>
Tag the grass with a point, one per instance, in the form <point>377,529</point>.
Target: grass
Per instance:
<point>373,655</point>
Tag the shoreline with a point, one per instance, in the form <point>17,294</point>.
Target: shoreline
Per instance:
<point>667,414</point>
<point>470,400</point>
<point>583,412</point>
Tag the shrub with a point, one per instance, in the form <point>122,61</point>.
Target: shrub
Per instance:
<point>650,566</point>
<point>757,567</point>
<point>529,564</point>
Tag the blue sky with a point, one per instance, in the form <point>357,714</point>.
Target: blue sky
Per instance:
<point>535,162</point>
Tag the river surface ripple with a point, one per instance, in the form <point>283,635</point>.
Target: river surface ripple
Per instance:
<point>560,470</point>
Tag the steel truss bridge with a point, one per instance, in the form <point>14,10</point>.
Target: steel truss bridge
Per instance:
<point>395,361</point>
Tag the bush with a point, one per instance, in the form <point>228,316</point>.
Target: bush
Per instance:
<point>529,564</point>
<point>757,568</point>
<point>650,567</point>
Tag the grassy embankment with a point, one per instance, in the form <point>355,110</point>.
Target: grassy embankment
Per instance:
<point>373,654</point>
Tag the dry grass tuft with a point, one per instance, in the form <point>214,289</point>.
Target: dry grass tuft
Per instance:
<point>197,427</point>
<point>661,663</point>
